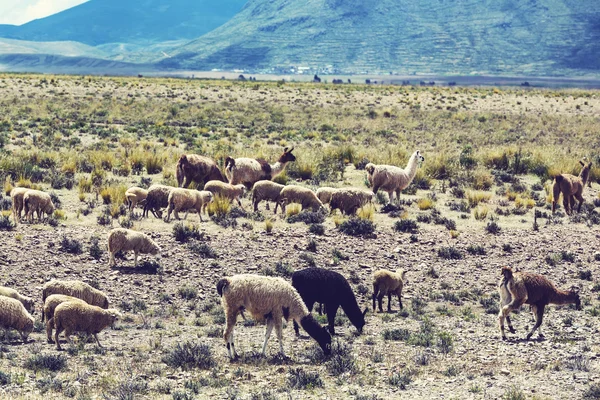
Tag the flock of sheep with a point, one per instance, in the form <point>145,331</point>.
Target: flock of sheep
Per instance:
<point>73,306</point>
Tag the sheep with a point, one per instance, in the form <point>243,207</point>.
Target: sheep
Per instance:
<point>249,170</point>
<point>232,192</point>
<point>571,187</point>
<point>16,196</point>
<point>27,302</point>
<point>48,313</point>
<point>74,316</point>
<point>388,283</point>
<point>14,315</point>
<point>324,194</point>
<point>299,194</point>
<point>121,239</point>
<point>331,289</point>
<point>187,199</point>
<point>195,168</point>
<point>38,201</point>
<point>157,198</point>
<point>348,200</point>
<point>78,289</point>
<point>266,190</point>
<point>518,288</point>
<point>391,178</point>
<point>135,195</point>
<point>268,300</point>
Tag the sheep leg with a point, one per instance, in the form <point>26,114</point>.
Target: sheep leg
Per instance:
<point>539,316</point>
<point>240,203</point>
<point>380,301</point>
<point>270,324</point>
<point>267,206</point>
<point>400,299</point>
<point>398,195</point>
<point>97,341</point>
<point>49,326</point>
<point>255,204</point>
<point>111,261</point>
<point>375,292</point>
<point>228,335</point>
<point>276,204</point>
<point>389,302</point>
<point>279,333</point>
<point>391,196</point>
<point>331,312</point>
<point>135,258</point>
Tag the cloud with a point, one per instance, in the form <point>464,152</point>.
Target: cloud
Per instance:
<point>22,11</point>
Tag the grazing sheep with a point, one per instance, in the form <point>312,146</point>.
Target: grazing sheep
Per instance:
<point>388,283</point>
<point>188,199</point>
<point>571,187</point>
<point>121,239</point>
<point>48,313</point>
<point>268,191</point>
<point>324,194</point>
<point>157,198</point>
<point>38,201</point>
<point>348,200</point>
<point>268,300</point>
<point>14,315</point>
<point>249,170</point>
<point>299,194</point>
<point>520,288</point>
<point>391,178</point>
<point>195,168</point>
<point>135,195</point>
<point>331,289</point>
<point>74,316</point>
<point>16,195</point>
<point>78,289</point>
<point>232,192</point>
<point>12,293</point>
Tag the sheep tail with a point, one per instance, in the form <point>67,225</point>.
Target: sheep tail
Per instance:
<point>222,285</point>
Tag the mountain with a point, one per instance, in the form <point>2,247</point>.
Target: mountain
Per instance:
<point>100,22</point>
<point>71,49</point>
<point>45,63</point>
<point>496,37</point>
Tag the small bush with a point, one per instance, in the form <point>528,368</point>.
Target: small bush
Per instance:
<point>188,292</point>
<point>476,197</point>
<point>514,393</point>
<point>312,245</point>
<point>450,253</point>
<point>357,227</point>
<point>185,232</point>
<point>406,226</point>
<point>476,250</point>
<point>220,206</point>
<point>6,224</point>
<point>585,275</point>
<point>308,217</point>
<point>104,218</point>
<point>4,379</point>
<point>299,379</point>
<point>202,249</point>
<point>425,204</point>
<point>396,334</point>
<point>342,360</point>
<point>95,250</point>
<point>492,227</point>
<point>593,392</point>
<point>71,246</point>
<point>480,213</point>
<point>317,229</point>
<point>190,355</point>
<point>50,362</point>
<point>400,380</point>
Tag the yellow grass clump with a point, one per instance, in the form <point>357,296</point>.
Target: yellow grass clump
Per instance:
<point>293,209</point>
<point>60,214</point>
<point>268,225</point>
<point>425,204</point>
<point>524,202</point>
<point>366,212</point>
<point>113,194</point>
<point>8,187</point>
<point>474,197</point>
<point>220,206</point>
<point>480,213</point>
<point>454,234</point>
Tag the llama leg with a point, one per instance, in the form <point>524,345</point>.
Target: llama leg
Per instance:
<point>391,196</point>
<point>580,200</point>
<point>510,327</point>
<point>228,335</point>
<point>279,333</point>
<point>49,326</point>
<point>375,292</point>
<point>270,324</point>
<point>566,203</point>
<point>399,299</point>
<point>380,301</point>
<point>572,205</point>
<point>398,196</point>
<point>111,260</point>
<point>539,312</point>
<point>331,312</point>
<point>513,305</point>
<point>135,258</point>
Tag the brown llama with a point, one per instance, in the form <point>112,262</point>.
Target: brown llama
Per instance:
<point>520,288</point>
<point>195,168</point>
<point>571,188</point>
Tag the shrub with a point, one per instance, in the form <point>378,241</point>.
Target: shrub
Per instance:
<point>312,245</point>
<point>5,203</point>
<point>153,164</point>
<point>514,393</point>
<point>357,227</point>
<point>4,379</point>
<point>202,249</point>
<point>450,253</point>
<point>317,229</point>
<point>188,292</point>
<point>6,224</point>
<point>492,227</point>
<point>400,380</point>
<point>220,206</point>
<point>366,212</point>
<point>95,250</point>
<point>476,250</point>
<point>50,362</point>
<point>299,379</point>
<point>268,225</point>
<point>425,204</point>
<point>190,355</point>
<point>585,275</point>
<point>342,360</point>
<point>184,232</point>
<point>593,392</point>
<point>396,334</point>
<point>476,197</point>
<point>292,209</point>
<point>308,217</point>
<point>406,226</point>
<point>104,218</point>
<point>480,213</point>
<point>445,342</point>
<point>71,246</point>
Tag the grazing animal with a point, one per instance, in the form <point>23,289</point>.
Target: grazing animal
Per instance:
<point>249,170</point>
<point>391,178</point>
<point>78,289</point>
<point>268,191</point>
<point>571,188</point>
<point>299,194</point>
<point>268,300</point>
<point>349,200</point>
<point>12,293</point>
<point>388,283</point>
<point>232,192</point>
<point>14,315</point>
<point>121,239</point>
<point>16,195</point>
<point>195,168</point>
<point>48,313</point>
<point>331,289</point>
<point>134,196</point>
<point>72,317</point>
<point>39,202</point>
<point>518,288</point>
<point>324,194</point>
<point>188,199</point>
<point>157,199</point>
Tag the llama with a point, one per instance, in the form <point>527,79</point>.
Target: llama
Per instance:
<point>571,188</point>
<point>195,168</point>
<point>520,288</point>
<point>391,178</point>
<point>249,170</point>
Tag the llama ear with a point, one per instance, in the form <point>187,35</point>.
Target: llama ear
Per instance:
<point>292,149</point>
<point>285,149</point>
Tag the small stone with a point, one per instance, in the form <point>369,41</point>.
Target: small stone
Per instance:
<point>504,371</point>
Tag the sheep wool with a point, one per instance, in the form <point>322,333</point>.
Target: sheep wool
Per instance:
<point>268,300</point>
<point>349,200</point>
<point>391,178</point>
<point>72,317</point>
<point>48,313</point>
<point>16,196</point>
<point>12,293</point>
<point>324,194</point>
<point>268,191</point>
<point>299,194</point>
<point>121,239</point>
<point>39,202</point>
<point>232,192</point>
<point>78,289</point>
<point>388,283</point>
<point>14,315</point>
<point>196,168</point>
<point>329,288</point>
<point>157,198</point>
<point>187,199</point>
<point>134,196</point>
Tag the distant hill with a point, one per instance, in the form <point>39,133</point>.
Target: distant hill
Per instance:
<point>496,37</point>
<point>128,21</point>
<point>67,65</point>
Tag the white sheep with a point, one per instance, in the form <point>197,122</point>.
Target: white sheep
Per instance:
<point>157,198</point>
<point>78,289</point>
<point>299,194</point>
<point>388,283</point>
<point>16,195</point>
<point>73,317</point>
<point>38,201</point>
<point>232,192</point>
<point>268,191</point>
<point>48,313</point>
<point>188,199</point>
<point>391,178</point>
<point>121,239</point>
<point>12,293</point>
<point>14,315</point>
<point>134,196</point>
<point>249,170</point>
<point>324,194</point>
<point>268,300</point>
<point>348,200</point>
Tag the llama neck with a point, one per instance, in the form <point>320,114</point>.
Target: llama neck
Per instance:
<point>584,175</point>
<point>411,167</point>
<point>277,168</point>
<point>561,297</point>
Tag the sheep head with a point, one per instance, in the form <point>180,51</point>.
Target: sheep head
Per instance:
<point>507,273</point>
<point>370,168</point>
<point>287,156</point>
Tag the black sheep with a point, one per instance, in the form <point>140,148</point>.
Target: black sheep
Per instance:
<point>331,289</point>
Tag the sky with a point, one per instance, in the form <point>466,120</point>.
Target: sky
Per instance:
<point>18,12</point>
